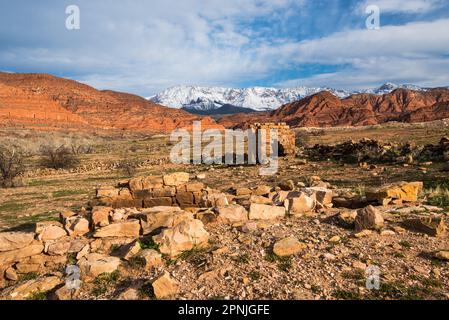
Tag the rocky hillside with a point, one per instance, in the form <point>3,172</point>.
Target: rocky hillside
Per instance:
<point>42,100</point>
<point>326,110</point>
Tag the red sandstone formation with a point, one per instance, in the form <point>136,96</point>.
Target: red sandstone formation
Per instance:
<point>40,100</point>
<point>326,110</point>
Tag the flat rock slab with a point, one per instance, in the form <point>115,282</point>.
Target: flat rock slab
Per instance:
<point>15,240</point>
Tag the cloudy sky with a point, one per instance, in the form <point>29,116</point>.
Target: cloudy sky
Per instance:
<point>145,46</point>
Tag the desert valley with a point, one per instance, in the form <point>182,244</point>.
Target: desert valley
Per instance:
<point>361,197</point>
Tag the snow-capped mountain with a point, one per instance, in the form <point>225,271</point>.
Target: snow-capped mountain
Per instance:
<point>389,87</point>
<point>258,98</point>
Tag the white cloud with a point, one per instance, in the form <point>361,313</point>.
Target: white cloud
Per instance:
<point>407,6</point>
<point>416,52</point>
<point>145,46</point>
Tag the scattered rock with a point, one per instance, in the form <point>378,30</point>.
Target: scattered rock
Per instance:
<point>130,250</point>
<point>359,265</point>
<point>288,185</point>
<point>151,258</point>
<point>15,240</point>
<point>433,226</point>
<point>158,217</point>
<point>165,286</point>
<point>94,264</point>
<point>243,192</point>
<point>300,205</point>
<point>19,254</point>
<point>363,233</point>
<point>265,212</point>
<point>27,289</point>
<point>405,191</point>
<point>129,294</point>
<point>442,255</point>
<point>176,179</point>
<point>262,191</point>
<point>186,235</point>
<point>368,218</point>
<point>130,228</point>
<point>288,247</point>
<point>76,226</point>
<point>335,239</point>
<point>232,214</point>
<point>50,231</point>
<point>249,227</point>
<point>11,274</point>
<point>100,216</point>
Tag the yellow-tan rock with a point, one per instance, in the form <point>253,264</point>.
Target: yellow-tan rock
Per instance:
<point>184,236</point>
<point>165,287</point>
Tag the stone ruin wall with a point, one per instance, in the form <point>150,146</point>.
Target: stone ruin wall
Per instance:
<point>286,137</point>
<point>154,191</point>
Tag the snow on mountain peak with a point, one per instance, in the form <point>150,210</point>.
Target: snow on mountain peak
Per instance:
<point>256,98</point>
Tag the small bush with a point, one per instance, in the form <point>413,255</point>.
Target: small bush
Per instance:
<point>60,157</point>
<point>128,167</point>
<point>11,165</point>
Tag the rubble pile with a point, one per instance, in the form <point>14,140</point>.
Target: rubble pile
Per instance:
<point>373,151</point>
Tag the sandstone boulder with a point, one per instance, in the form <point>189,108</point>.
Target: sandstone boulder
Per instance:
<point>94,264</point>
<point>127,252</point>
<point>262,191</point>
<point>50,231</point>
<point>300,205</point>
<point>27,289</point>
<point>442,255</point>
<point>15,240</point>
<point>288,185</point>
<point>100,216</point>
<point>432,226</point>
<point>232,214</point>
<point>165,286</point>
<point>130,228</point>
<point>176,179</point>
<point>16,255</point>
<point>150,258</point>
<point>76,226</point>
<point>404,191</point>
<point>107,192</point>
<point>184,236</point>
<point>265,212</point>
<point>129,294</point>
<point>288,247</point>
<point>243,192</point>
<point>322,195</point>
<point>368,218</point>
<point>158,217</point>
<point>11,274</point>
<point>64,246</point>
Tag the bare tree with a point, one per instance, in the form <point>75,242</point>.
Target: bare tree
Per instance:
<point>60,157</point>
<point>11,165</point>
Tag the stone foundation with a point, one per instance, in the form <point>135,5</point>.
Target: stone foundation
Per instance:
<point>154,191</point>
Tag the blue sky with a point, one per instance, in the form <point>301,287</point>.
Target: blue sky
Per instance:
<point>145,46</point>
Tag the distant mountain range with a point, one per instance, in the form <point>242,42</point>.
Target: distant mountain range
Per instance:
<point>326,110</point>
<point>212,100</point>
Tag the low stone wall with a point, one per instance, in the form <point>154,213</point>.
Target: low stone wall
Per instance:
<point>153,191</point>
